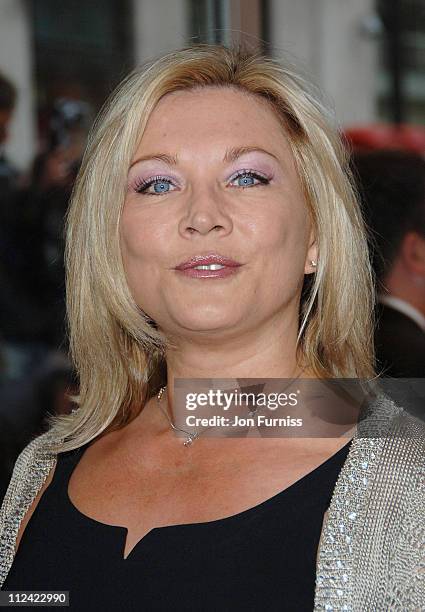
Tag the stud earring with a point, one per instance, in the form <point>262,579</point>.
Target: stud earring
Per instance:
<point>313,263</point>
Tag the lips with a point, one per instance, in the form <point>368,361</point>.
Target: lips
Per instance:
<point>206,260</point>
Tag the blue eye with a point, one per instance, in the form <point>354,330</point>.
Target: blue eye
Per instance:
<point>248,178</point>
<point>160,185</point>
<point>245,181</point>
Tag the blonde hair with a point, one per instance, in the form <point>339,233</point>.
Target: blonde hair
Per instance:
<point>117,351</point>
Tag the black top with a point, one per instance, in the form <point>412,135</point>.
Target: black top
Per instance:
<point>263,558</point>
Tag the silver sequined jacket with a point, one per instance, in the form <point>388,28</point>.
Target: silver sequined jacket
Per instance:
<point>371,555</point>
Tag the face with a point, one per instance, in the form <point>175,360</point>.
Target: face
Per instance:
<point>213,183</point>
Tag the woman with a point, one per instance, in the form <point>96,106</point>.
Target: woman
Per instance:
<point>213,232</point>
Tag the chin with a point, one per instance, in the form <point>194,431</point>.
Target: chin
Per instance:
<point>200,326</point>
<point>206,325</point>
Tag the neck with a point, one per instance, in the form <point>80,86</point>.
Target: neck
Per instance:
<point>269,354</point>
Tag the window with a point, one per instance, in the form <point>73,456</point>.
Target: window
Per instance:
<point>402,58</point>
<point>82,49</point>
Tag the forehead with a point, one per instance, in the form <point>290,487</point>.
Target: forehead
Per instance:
<point>219,110</point>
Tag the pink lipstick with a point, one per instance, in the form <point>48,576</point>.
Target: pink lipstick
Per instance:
<point>208,266</point>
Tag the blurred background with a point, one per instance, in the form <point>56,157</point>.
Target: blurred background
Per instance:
<point>58,63</point>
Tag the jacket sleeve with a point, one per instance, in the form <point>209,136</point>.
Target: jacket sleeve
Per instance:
<point>29,474</point>
<point>407,578</point>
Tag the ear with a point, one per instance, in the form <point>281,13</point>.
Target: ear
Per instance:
<point>413,253</point>
<point>312,253</point>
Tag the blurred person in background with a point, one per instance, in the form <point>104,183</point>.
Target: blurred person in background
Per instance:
<point>24,321</point>
<point>45,202</point>
<point>32,302</point>
<point>392,186</point>
<point>35,363</point>
<point>15,313</point>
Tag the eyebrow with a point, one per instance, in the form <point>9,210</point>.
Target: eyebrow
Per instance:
<point>231,155</point>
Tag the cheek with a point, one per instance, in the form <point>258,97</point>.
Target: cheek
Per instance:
<point>282,246</point>
<point>139,237</point>
<point>282,233</point>
<point>132,246</point>
<point>138,255</point>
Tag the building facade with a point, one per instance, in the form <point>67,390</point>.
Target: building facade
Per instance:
<point>82,49</point>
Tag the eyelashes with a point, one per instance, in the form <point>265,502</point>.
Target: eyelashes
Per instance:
<point>142,185</point>
<point>162,184</point>
<point>250,174</point>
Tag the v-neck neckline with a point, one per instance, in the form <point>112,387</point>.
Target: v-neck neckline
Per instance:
<point>287,493</point>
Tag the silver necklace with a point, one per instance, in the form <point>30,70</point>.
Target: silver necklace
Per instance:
<point>192,435</point>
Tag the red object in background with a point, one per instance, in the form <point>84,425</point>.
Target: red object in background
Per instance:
<point>382,136</point>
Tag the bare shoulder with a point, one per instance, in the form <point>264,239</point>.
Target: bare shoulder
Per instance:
<point>33,506</point>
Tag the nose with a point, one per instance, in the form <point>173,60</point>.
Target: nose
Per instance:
<point>205,213</point>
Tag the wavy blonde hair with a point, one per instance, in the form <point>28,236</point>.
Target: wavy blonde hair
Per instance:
<point>117,351</point>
